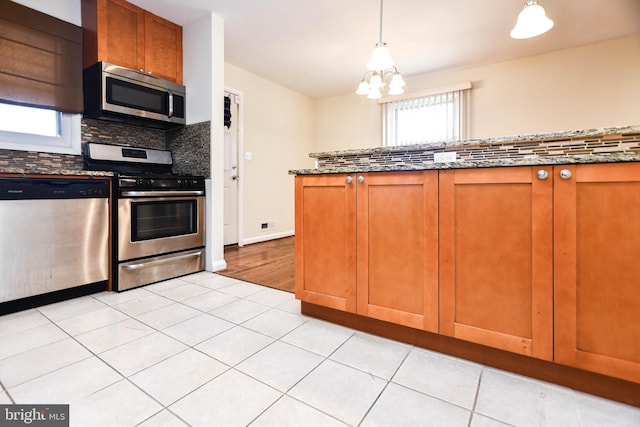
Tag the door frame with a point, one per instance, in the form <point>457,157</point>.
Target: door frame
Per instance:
<point>240,146</point>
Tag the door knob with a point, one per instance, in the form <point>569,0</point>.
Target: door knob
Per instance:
<point>565,174</point>
<point>361,179</point>
<point>349,179</point>
<point>543,174</point>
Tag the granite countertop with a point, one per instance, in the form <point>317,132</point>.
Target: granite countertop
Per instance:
<point>527,160</point>
<point>39,170</point>
<point>470,164</point>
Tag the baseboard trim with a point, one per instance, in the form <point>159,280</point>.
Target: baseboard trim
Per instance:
<point>266,237</point>
<point>217,265</point>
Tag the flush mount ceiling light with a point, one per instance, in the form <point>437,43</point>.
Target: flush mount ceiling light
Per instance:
<point>532,21</point>
<point>381,66</point>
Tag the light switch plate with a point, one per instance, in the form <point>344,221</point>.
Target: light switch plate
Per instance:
<point>447,156</point>
<point>248,155</point>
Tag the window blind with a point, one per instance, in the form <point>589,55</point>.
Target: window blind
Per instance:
<point>423,119</point>
<point>41,59</point>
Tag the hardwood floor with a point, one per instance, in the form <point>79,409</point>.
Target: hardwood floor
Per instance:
<point>268,263</point>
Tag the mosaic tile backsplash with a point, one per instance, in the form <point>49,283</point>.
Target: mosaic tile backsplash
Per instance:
<point>191,154</point>
<point>190,148</point>
<point>120,134</point>
<point>14,161</point>
<point>191,145</point>
<point>623,141</point>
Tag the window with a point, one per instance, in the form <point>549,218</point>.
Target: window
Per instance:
<point>39,129</point>
<point>42,68</point>
<point>435,116</point>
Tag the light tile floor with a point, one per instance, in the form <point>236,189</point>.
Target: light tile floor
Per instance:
<point>207,350</point>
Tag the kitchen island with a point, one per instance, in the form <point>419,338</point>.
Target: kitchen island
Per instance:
<point>522,254</point>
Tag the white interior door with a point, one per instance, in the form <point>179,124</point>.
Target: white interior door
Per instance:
<point>231,176</point>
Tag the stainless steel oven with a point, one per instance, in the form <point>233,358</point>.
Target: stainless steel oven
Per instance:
<point>154,230</point>
<point>158,217</point>
<point>150,225</point>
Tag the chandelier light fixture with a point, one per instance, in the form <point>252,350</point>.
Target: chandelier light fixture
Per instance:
<point>381,67</point>
<point>532,21</point>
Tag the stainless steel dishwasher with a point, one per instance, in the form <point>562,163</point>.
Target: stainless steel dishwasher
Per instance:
<point>54,239</point>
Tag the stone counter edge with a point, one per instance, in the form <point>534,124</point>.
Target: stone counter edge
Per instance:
<point>508,162</point>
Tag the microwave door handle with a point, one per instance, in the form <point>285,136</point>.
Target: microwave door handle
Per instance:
<point>170,104</point>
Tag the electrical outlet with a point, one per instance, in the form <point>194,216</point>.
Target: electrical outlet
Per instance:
<point>264,225</point>
<point>248,155</point>
<point>447,156</point>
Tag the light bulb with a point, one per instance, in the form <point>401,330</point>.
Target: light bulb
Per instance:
<point>380,58</point>
<point>397,82</point>
<point>374,93</point>
<point>363,88</point>
<point>376,81</point>
<point>532,21</point>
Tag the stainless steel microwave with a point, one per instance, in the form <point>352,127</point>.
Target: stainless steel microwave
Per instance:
<point>122,95</point>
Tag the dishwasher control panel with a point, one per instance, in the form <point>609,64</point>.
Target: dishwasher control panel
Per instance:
<point>52,188</point>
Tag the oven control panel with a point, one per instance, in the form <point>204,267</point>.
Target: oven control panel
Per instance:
<point>161,183</point>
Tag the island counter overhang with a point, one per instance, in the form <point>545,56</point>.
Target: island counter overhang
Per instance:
<point>619,145</point>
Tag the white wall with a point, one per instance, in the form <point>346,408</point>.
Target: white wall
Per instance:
<point>278,131</point>
<point>591,86</point>
<point>197,58</point>
<point>203,68</point>
<point>347,121</point>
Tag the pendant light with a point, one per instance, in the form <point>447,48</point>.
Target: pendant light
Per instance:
<point>532,21</point>
<point>381,67</point>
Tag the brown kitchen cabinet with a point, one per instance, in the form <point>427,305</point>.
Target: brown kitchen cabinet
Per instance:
<point>368,244</point>
<point>325,241</point>
<point>540,261</point>
<point>121,33</point>
<point>496,255</point>
<point>597,269</point>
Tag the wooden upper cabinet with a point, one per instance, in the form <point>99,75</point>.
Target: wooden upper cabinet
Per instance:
<point>597,268</point>
<point>163,48</point>
<point>121,33</point>
<point>121,40</point>
<point>325,241</point>
<point>496,257</point>
<point>397,262</point>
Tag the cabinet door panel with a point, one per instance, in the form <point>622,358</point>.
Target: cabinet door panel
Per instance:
<point>496,259</point>
<point>597,277</point>
<point>325,241</point>
<point>163,44</point>
<point>398,248</point>
<point>121,33</point>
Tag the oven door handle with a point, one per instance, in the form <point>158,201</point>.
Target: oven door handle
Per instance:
<point>162,261</point>
<point>176,193</point>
